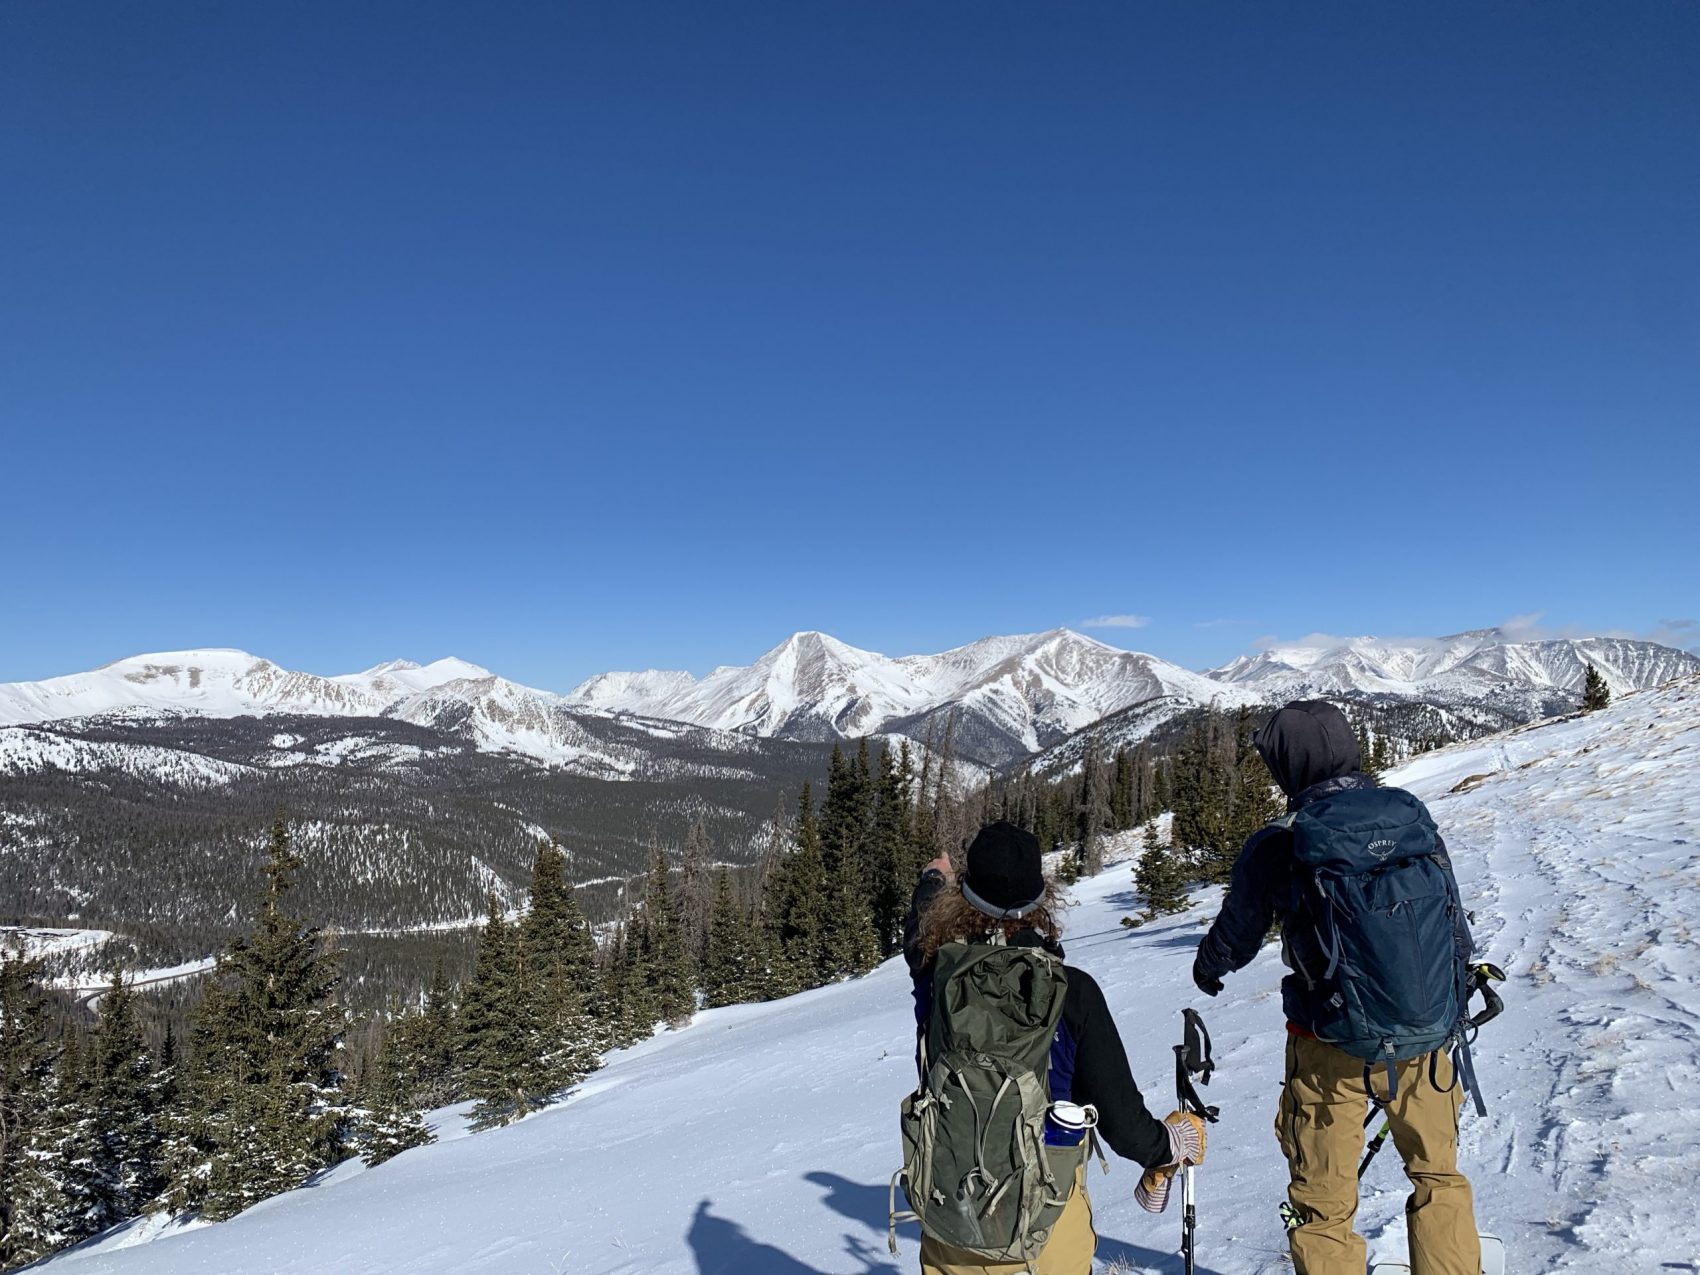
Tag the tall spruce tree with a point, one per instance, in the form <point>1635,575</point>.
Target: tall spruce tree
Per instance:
<point>62,1194</point>
<point>1092,812</point>
<point>891,850</point>
<point>796,901</point>
<point>391,1122</point>
<point>558,965</point>
<point>498,1026</point>
<point>696,892</point>
<point>26,1078</point>
<point>733,966</point>
<point>128,1101</point>
<point>667,963</point>
<point>265,1088</point>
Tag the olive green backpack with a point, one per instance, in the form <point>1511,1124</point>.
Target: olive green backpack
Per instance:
<point>976,1171</point>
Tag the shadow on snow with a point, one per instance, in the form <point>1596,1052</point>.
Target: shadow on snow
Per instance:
<point>722,1246</point>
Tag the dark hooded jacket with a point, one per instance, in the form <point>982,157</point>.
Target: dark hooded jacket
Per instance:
<point>1312,752</point>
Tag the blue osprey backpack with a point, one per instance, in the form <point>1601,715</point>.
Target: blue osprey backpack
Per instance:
<point>1385,906</point>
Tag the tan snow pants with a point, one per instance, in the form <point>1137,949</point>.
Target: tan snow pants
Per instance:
<point>1068,1251</point>
<point>1320,1124</point>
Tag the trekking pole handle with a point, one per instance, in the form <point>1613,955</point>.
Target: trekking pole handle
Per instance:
<point>1482,979</point>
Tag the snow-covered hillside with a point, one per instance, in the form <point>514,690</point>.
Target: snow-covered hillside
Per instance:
<point>759,1140</point>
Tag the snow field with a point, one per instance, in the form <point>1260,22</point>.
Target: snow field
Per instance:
<point>760,1139</point>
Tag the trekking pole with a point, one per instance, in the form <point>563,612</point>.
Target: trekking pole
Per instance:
<point>1192,1058</point>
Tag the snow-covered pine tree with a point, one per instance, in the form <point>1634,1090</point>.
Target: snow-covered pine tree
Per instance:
<point>263,1087</point>
<point>60,1192</point>
<point>390,1122</point>
<point>126,1096</point>
<point>558,960</point>
<point>26,1079</point>
<point>1160,877</point>
<point>614,1005</point>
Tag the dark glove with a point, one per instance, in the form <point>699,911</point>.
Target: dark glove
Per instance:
<point>1209,984</point>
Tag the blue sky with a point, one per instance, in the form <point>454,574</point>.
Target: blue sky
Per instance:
<point>570,337</point>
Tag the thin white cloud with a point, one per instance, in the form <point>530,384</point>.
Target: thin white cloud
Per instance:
<point>1116,622</point>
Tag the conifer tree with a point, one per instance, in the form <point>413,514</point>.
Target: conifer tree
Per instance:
<point>797,899</point>
<point>1160,877</point>
<point>1124,795</point>
<point>127,1101</point>
<point>1092,811</point>
<point>1366,749</point>
<point>265,1091</point>
<point>1595,693</point>
<point>668,971</point>
<point>891,851</point>
<point>732,970</point>
<point>848,944</point>
<point>391,1122</point>
<point>696,892</point>
<point>557,970</point>
<point>61,1191</point>
<point>498,1027</point>
<point>26,1077</point>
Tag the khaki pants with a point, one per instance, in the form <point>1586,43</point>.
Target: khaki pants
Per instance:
<point>1068,1251</point>
<point>1320,1125</point>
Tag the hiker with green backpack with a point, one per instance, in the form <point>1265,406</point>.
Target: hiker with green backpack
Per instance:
<point>1377,941</point>
<point>1022,1071</point>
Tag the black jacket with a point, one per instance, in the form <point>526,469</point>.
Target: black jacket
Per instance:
<point>1088,1063</point>
<point>1310,750</point>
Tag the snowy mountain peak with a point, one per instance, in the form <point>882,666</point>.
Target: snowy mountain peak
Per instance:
<point>390,666</point>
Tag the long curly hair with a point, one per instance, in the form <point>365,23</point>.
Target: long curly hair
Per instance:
<point>952,918</point>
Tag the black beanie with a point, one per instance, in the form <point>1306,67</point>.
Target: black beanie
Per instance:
<point>1005,877</point>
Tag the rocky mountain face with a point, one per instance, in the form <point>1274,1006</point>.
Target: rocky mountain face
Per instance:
<point>1007,696</point>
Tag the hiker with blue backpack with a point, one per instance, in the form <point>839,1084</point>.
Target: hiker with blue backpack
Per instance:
<point>1022,1071</point>
<point>1379,947</point>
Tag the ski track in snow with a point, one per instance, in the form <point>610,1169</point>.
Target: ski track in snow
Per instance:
<point>759,1140</point>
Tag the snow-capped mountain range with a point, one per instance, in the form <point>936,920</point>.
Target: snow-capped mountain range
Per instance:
<point>1478,666</point>
<point>1007,697</point>
<point>1010,695</point>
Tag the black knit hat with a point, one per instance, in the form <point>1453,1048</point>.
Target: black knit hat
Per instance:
<point>1005,876</point>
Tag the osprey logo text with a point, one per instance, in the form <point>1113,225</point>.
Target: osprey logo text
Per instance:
<point>1381,849</point>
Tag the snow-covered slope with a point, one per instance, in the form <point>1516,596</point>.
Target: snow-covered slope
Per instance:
<point>761,1138</point>
<point>1009,695</point>
<point>1482,666</point>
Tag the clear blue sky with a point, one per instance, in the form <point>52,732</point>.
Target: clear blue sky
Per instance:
<point>573,336</point>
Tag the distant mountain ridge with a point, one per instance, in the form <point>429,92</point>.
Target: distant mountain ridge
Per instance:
<point>1009,696</point>
<point>1002,698</point>
<point>1484,667</point>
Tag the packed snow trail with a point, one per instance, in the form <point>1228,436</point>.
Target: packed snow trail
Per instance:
<point>759,1140</point>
